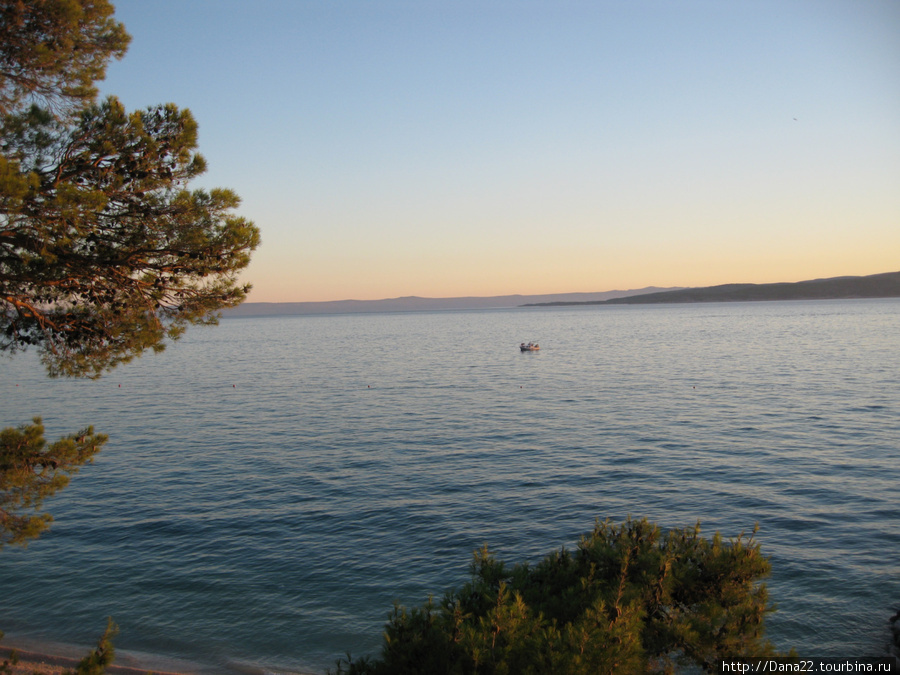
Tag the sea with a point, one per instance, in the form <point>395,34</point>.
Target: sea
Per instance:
<point>272,486</point>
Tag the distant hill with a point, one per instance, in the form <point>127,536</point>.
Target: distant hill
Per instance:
<point>874,286</point>
<point>416,304</point>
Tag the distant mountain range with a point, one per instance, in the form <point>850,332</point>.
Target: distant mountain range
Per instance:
<point>416,304</point>
<point>874,286</point>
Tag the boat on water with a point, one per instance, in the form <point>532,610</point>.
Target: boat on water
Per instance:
<point>529,346</point>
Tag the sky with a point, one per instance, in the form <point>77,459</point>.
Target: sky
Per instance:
<point>390,148</point>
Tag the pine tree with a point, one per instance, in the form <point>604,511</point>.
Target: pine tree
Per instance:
<point>52,52</point>
<point>105,252</point>
<point>31,471</point>
<point>630,599</point>
<point>101,656</point>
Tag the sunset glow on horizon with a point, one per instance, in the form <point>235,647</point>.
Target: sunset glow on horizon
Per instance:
<point>448,149</point>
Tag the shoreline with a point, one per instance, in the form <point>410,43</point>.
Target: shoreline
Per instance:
<point>46,664</point>
<point>48,658</point>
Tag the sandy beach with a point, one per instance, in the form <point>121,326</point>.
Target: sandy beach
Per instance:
<point>43,659</point>
<point>31,663</point>
<point>50,658</point>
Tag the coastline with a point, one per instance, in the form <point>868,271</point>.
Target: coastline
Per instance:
<point>47,658</point>
<point>30,663</point>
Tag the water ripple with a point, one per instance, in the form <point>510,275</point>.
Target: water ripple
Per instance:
<point>262,503</point>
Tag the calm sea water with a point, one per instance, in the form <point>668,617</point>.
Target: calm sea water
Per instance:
<point>272,485</point>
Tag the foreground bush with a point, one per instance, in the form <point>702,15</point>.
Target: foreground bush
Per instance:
<point>95,663</point>
<point>629,599</point>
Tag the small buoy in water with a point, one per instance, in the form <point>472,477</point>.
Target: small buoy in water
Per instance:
<point>120,386</point>
<point>234,386</point>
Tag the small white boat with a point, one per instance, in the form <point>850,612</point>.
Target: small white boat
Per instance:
<point>529,347</point>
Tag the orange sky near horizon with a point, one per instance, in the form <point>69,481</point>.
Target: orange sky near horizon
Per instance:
<point>460,149</point>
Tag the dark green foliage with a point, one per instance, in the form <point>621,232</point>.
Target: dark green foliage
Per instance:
<point>629,599</point>
<point>53,51</point>
<point>95,663</point>
<point>104,251</point>
<point>30,471</point>
<point>102,656</point>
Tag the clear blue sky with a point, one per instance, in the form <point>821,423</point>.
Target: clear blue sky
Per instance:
<point>390,148</point>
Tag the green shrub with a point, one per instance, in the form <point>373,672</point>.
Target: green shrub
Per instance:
<point>629,599</point>
<point>101,657</point>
